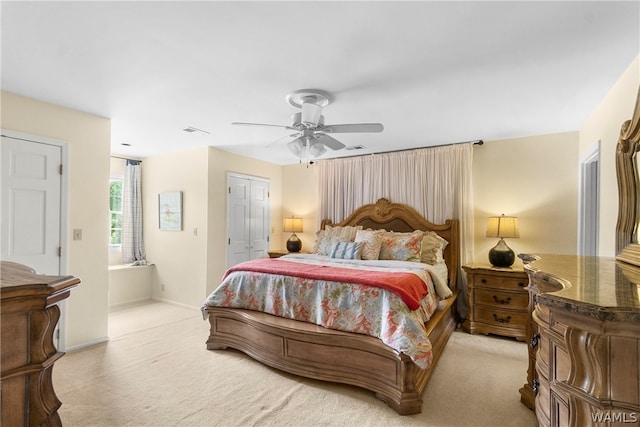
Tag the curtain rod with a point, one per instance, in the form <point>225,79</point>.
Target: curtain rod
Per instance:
<point>475,142</point>
<point>124,158</point>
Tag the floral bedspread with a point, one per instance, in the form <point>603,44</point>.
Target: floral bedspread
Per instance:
<point>336,305</point>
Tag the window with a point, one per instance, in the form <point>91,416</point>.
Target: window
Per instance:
<point>115,210</point>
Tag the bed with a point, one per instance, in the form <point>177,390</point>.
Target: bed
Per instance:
<point>313,351</point>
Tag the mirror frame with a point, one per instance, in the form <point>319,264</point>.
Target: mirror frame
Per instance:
<point>627,227</point>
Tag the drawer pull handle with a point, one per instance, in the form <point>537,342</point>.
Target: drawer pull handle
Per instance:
<point>501,300</point>
<point>502,319</point>
<point>483,280</point>
<point>534,341</point>
<point>522,285</point>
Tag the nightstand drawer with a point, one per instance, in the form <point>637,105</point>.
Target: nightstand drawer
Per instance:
<point>500,317</point>
<point>512,300</point>
<point>482,280</point>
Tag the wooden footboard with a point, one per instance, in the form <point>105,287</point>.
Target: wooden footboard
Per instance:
<point>315,352</point>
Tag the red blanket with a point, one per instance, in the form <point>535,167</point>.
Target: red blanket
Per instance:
<point>407,286</point>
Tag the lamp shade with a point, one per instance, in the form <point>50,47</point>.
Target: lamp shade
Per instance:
<point>503,226</point>
<point>293,225</point>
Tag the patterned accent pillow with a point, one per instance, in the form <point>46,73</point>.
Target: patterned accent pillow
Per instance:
<point>401,246</point>
<point>319,238</point>
<point>347,250</point>
<point>347,231</point>
<point>372,240</point>
<point>325,244</point>
<point>432,248</point>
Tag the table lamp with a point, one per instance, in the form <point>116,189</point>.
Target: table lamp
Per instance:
<point>502,226</point>
<point>293,225</point>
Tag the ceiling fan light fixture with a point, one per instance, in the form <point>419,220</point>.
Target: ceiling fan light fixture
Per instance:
<point>310,114</point>
<point>296,147</point>
<point>317,149</point>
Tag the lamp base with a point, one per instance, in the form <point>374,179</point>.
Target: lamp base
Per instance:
<point>501,255</point>
<point>294,244</point>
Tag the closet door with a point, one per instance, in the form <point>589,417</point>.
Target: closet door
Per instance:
<point>247,218</point>
<point>259,229</point>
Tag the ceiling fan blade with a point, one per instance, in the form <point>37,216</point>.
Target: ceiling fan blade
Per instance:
<point>353,128</point>
<point>262,124</point>
<point>330,142</point>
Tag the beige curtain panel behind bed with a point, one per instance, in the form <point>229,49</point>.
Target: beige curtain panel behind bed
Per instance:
<point>434,181</point>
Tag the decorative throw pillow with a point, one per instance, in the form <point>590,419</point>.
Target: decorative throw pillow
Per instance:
<point>319,237</point>
<point>347,231</point>
<point>401,246</point>
<point>325,244</point>
<point>372,241</point>
<point>347,250</point>
<point>432,248</point>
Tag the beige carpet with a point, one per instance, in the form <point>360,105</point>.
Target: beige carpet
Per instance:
<point>156,371</point>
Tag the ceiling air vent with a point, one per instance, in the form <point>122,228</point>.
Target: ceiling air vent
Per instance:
<point>355,147</point>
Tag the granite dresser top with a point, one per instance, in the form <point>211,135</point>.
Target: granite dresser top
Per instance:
<point>598,287</point>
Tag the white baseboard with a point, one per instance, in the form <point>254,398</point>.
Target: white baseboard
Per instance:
<point>168,301</point>
<point>86,344</point>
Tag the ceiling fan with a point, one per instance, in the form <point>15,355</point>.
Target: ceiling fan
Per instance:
<point>312,135</point>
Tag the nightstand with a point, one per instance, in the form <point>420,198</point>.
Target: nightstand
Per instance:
<point>277,254</point>
<point>498,301</point>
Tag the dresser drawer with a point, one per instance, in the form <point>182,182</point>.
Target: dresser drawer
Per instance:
<point>511,283</point>
<point>512,300</point>
<point>498,317</point>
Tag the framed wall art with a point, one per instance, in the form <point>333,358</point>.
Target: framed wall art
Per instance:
<point>170,210</point>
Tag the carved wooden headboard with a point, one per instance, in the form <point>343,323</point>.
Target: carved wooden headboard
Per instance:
<point>403,218</point>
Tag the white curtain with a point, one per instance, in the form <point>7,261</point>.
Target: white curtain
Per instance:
<point>434,181</point>
<point>132,240</point>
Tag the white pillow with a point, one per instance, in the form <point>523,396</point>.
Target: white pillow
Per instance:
<point>372,241</point>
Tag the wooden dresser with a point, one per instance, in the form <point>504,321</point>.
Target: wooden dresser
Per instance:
<point>585,341</point>
<point>498,301</point>
<point>28,317</point>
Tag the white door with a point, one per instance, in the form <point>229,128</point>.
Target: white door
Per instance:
<point>259,232</point>
<point>32,215</point>
<point>247,218</point>
<point>31,204</point>
<point>238,228</point>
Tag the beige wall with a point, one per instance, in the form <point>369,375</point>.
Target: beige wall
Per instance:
<point>604,125</point>
<point>300,191</point>
<point>180,257</point>
<point>535,179</point>
<point>189,264</point>
<point>87,138</point>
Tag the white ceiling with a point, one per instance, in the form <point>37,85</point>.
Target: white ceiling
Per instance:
<point>432,72</point>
